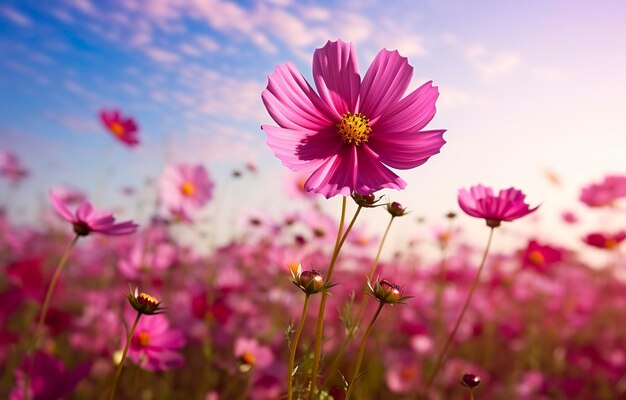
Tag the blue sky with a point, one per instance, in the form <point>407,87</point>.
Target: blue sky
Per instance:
<point>525,87</point>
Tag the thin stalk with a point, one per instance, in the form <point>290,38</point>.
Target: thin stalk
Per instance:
<point>44,311</point>
<point>294,347</point>
<point>443,352</point>
<point>118,371</point>
<point>471,394</point>
<point>359,359</point>
<point>364,300</point>
<point>319,332</point>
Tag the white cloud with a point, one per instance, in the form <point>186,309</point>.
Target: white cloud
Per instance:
<point>491,65</point>
<point>83,5</point>
<point>15,16</point>
<point>450,98</point>
<point>161,56</point>
<point>548,74</point>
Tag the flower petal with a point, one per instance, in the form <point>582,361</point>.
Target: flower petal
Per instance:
<point>61,208</point>
<point>336,76</point>
<point>406,150</point>
<point>336,175</point>
<point>384,83</point>
<point>302,150</point>
<point>410,114</point>
<point>373,175</point>
<point>84,212</point>
<point>292,103</point>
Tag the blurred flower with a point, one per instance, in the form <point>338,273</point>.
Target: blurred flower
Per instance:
<point>348,134</point>
<point>10,167</point>
<point>402,375</point>
<point>605,241</point>
<point>88,220</point>
<point>124,129</point>
<point>537,256</point>
<point>251,354</point>
<point>569,217</point>
<point>157,258</point>
<point>185,187</point>
<point>605,193</point>
<point>48,378</point>
<point>480,202</point>
<point>154,344</point>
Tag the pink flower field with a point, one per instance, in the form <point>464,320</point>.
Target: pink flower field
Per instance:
<point>330,220</point>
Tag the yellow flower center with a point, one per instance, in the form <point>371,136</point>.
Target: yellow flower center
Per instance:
<point>536,257</point>
<point>147,298</point>
<point>116,128</point>
<point>610,243</point>
<point>188,189</point>
<point>248,358</point>
<point>354,128</point>
<point>143,338</point>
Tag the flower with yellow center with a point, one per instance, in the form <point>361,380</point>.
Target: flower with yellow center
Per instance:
<point>188,189</point>
<point>536,257</point>
<point>144,303</point>
<point>354,128</point>
<point>143,338</point>
<point>117,129</point>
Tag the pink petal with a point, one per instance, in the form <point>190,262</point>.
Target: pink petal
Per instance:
<point>337,175</point>
<point>406,150</point>
<point>292,103</point>
<point>336,76</point>
<point>373,175</point>
<point>84,211</point>
<point>61,208</point>
<point>302,150</point>
<point>412,113</point>
<point>384,84</point>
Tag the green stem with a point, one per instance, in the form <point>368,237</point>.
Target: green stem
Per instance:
<point>44,311</point>
<point>118,371</point>
<point>443,352</point>
<point>357,321</point>
<point>359,359</point>
<point>320,316</point>
<point>471,394</point>
<point>294,347</point>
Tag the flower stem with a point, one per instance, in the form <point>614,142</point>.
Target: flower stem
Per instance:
<point>319,332</point>
<point>118,371</point>
<point>357,321</point>
<point>471,394</point>
<point>359,359</point>
<point>44,311</point>
<point>443,351</point>
<point>294,347</point>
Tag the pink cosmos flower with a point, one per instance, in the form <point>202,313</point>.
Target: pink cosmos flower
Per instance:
<point>185,187</point>
<point>348,133</point>
<point>605,241</point>
<point>87,220</point>
<point>124,129</point>
<point>10,167</point>
<point>538,257</point>
<point>605,193</point>
<point>49,379</point>
<point>154,344</point>
<point>251,354</point>
<point>481,202</point>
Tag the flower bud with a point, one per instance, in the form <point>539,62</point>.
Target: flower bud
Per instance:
<point>470,381</point>
<point>144,303</point>
<point>311,281</point>
<point>396,209</point>
<point>387,292</point>
<point>365,200</point>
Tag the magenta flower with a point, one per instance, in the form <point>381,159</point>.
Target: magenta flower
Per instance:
<point>10,167</point>
<point>538,256</point>
<point>154,345</point>
<point>252,354</point>
<point>348,135</point>
<point>124,129</point>
<point>605,241</point>
<point>87,220</point>
<point>605,193</point>
<point>49,378</point>
<point>480,202</point>
<point>185,188</point>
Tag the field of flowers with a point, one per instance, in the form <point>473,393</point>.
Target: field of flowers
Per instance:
<point>303,305</point>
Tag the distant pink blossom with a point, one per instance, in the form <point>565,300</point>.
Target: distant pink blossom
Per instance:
<point>185,187</point>
<point>87,219</point>
<point>538,256</point>
<point>347,134</point>
<point>481,202</point>
<point>605,240</point>
<point>49,379</point>
<point>604,193</point>
<point>252,354</point>
<point>155,345</point>
<point>569,217</point>
<point>124,129</point>
<point>11,168</point>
